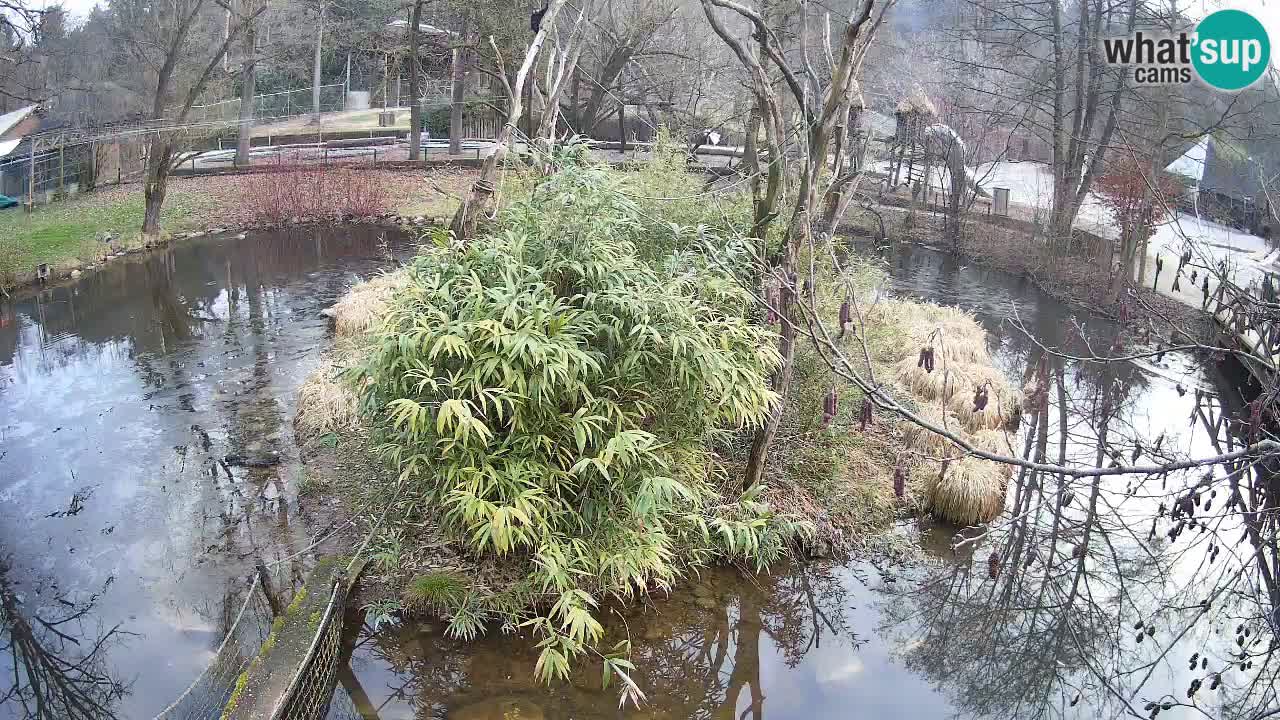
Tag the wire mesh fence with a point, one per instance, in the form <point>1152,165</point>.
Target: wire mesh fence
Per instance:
<point>205,698</point>
<point>47,174</point>
<point>274,106</point>
<point>311,689</point>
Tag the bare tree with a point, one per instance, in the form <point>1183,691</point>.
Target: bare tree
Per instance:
<point>248,82</point>
<point>820,199</point>
<point>58,671</point>
<point>562,62</point>
<point>415,84</point>
<point>161,37</point>
<point>315,73</point>
<point>626,33</point>
<point>479,202</point>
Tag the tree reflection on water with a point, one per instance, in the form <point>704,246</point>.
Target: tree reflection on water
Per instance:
<point>57,659</point>
<point>697,655</point>
<point>1094,597</point>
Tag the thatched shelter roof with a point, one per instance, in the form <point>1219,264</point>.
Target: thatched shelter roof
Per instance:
<point>917,103</point>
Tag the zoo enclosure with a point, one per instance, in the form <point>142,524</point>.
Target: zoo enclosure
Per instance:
<point>274,106</point>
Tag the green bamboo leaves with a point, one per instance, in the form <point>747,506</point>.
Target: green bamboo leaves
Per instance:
<point>551,391</point>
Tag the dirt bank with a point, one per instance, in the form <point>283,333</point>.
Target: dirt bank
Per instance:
<point>1006,244</point>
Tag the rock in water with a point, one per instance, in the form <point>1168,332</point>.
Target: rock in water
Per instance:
<point>254,460</point>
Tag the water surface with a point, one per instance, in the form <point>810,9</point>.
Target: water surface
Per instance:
<point>124,539</point>
<point>127,542</point>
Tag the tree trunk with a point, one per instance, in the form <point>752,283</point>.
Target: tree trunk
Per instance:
<point>315,69</point>
<point>592,115</point>
<point>160,149</point>
<point>557,80</point>
<point>467,218</point>
<point>764,437</point>
<point>159,156</point>
<point>415,91</point>
<point>248,89</point>
<point>457,97</point>
<point>955,208</point>
<point>575,101</point>
<point>622,125</point>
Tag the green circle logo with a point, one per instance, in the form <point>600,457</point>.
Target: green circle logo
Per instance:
<point>1232,50</point>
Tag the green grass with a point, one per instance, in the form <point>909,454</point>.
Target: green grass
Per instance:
<point>65,234</point>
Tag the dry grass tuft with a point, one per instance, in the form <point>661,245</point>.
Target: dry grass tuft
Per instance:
<point>953,333</point>
<point>926,442</point>
<point>971,491</point>
<point>954,387</point>
<point>325,404</point>
<point>995,441</point>
<point>365,305</point>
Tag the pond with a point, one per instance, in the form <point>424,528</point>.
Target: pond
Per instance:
<point>126,527</point>
<point>147,464</point>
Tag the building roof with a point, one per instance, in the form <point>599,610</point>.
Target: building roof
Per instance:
<point>1192,162</point>
<point>9,120</point>
<point>423,28</point>
<point>1238,171</point>
<point>7,146</point>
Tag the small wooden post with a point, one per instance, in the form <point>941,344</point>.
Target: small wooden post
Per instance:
<point>62,170</point>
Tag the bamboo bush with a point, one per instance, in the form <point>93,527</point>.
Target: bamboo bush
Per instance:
<point>552,391</point>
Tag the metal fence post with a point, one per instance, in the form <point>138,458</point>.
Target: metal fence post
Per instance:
<point>31,178</point>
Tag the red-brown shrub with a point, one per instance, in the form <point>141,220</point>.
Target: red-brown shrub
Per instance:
<point>307,193</point>
<point>1123,188</point>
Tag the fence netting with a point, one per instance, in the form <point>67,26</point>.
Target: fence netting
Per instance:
<point>311,690</point>
<point>274,106</point>
<point>205,698</point>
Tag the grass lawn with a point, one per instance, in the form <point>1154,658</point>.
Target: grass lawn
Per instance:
<point>67,233</point>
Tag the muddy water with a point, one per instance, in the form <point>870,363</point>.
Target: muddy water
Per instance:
<point>936,638</point>
<point>123,539</point>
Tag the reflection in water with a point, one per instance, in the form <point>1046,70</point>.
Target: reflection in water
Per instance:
<point>58,659</point>
<point>145,457</point>
<point>732,646</point>
<point>1093,598</point>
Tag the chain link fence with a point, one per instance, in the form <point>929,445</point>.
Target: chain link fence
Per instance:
<point>311,690</point>
<point>47,174</point>
<point>274,106</point>
<point>205,698</point>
